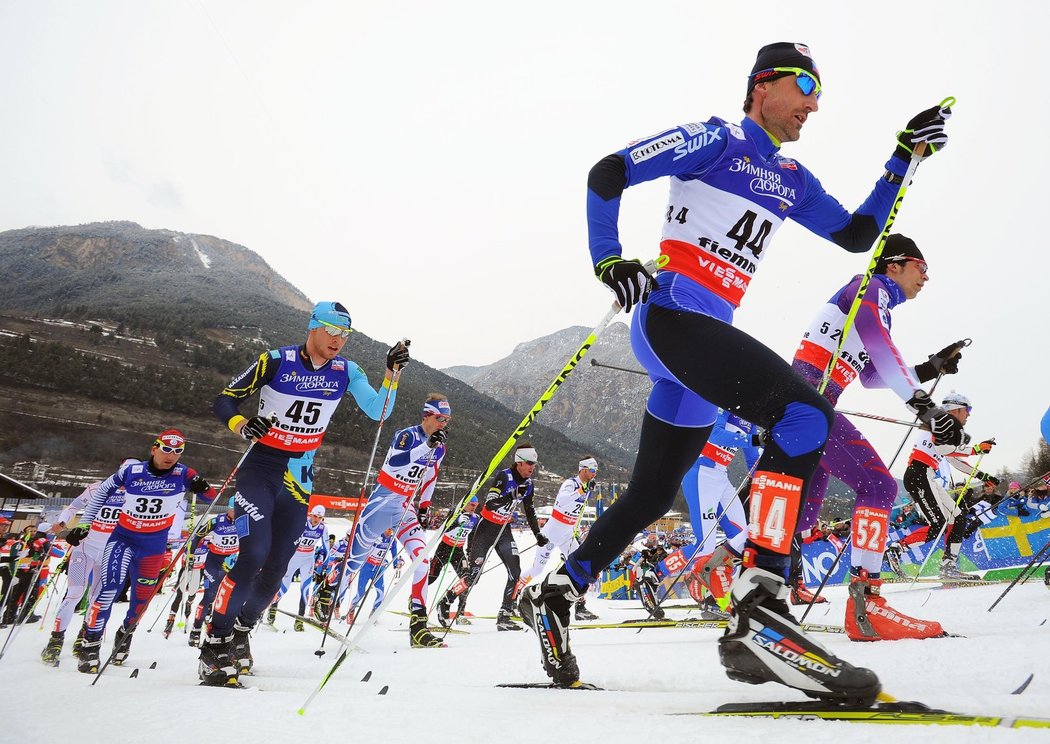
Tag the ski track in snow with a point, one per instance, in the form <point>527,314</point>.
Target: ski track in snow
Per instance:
<point>449,695</point>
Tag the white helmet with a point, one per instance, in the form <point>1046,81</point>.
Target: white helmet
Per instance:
<point>954,400</point>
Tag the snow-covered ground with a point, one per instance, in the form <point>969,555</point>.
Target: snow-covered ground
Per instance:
<point>449,695</point>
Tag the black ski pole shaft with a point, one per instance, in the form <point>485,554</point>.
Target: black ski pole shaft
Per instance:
<point>23,611</point>
<point>824,581</point>
<point>362,500</point>
<point>1037,557</point>
<point>596,363</point>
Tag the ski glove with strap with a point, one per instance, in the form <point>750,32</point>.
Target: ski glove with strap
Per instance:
<point>628,280</point>
<point>927,127</point>
<point>945,428</point>
<point>75,535</point>
<point>945,361</point>
<point>256,427</point>
<point>438,437</point>
<point>199,484</point>
<point>398,356</point>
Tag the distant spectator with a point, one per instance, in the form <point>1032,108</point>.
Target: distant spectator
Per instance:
<point>1015,501</point>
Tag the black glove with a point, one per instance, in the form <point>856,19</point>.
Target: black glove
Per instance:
<point>75,535</point>
<point>542,539</point>
<point>628,280</point>
<point>927,127</point>
<point>423,514</point>
<point>256,427</point>
<point>945,361</point>
<point>945,428</point>
<point>438,437</point>
<point>398,355</point>
<point>198,484</point>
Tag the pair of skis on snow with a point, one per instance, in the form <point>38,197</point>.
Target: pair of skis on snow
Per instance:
<point>886,711</point>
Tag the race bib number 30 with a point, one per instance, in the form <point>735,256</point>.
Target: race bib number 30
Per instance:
<point>773,513</point>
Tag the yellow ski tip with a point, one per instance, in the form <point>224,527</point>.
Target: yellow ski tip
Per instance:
<point>884,697</point>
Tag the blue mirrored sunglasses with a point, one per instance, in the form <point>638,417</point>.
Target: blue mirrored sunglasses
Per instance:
<point>804,79</point>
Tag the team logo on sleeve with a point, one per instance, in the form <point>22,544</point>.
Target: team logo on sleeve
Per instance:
<point>654,147</point>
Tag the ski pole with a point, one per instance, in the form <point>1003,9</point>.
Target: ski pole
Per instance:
<point>824,581</point>
<point>24,612</point>
<point>910,424</point>
<point>902,190</point>
<point>175,558</point>
<point>362,500</point>
<point>1040,557</point>
<point>596,363</point>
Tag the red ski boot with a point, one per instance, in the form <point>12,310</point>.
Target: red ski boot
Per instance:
<point>870,618</point>
<point>801,595</point>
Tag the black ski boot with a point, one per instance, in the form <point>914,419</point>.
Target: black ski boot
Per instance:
<point>444,611</point>
<point>421,637</point>
<point>217,666</point>
<point>582,613</point>
<point>323,604</point>
<point>764,643</point>
<point>88,659</point>
<point>53,649</point>
<point>78,642</point>
<point>545,608</point>
<point>195,638</point>
<point>170,624</point>
<point>503,621</point>
<point>241,649</point>
<point>121,645</point>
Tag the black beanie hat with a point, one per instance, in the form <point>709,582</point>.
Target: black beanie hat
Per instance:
<point>897,247</point>
<point>781,54</point>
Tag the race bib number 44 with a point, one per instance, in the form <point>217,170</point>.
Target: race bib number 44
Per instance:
<point>773,513</point>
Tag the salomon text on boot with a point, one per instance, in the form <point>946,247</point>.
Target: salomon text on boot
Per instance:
<point>545,608</point>
<point>764,643</point>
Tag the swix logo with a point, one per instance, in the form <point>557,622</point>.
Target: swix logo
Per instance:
<point>794,655</point>
<point>703,139</point>
<point>249,508</point>
<point>893,617</point>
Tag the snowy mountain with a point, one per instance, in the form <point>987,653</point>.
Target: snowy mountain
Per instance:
<point>597,405</point>
<point>111,329</point>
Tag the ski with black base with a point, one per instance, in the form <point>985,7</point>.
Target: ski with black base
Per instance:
<point>895,713</point>
<point>577,685</point>
<point>313,623</point>
<point>696,623</point>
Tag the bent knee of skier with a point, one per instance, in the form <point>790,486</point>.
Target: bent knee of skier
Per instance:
<point>804,427</point>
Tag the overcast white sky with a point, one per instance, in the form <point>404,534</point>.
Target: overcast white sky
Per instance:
<point>437,153</point>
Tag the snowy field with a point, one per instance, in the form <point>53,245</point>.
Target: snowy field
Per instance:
<point>449,695</point>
